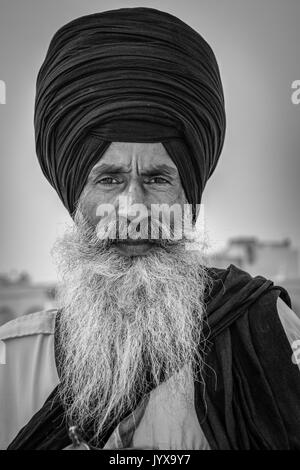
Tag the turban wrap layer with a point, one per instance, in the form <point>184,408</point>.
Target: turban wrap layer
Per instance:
<point>128,75</point>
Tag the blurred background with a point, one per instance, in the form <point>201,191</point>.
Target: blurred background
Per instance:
<point>251,201</point>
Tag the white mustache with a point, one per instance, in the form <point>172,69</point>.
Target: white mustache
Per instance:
<point>152,230</point>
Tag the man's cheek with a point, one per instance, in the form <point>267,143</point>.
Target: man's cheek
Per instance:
<point>90,202</point>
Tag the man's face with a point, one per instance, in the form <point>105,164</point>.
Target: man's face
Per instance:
<point>143,173</point>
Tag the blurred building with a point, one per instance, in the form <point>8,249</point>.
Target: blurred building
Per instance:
<point>278,261</point>
<point>19,296</point>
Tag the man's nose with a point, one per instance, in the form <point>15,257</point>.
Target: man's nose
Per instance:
<point>133,197</point>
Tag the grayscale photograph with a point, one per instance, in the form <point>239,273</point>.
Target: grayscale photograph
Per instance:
<point>150,232</point>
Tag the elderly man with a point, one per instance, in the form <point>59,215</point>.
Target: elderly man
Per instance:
<point>149,347</point>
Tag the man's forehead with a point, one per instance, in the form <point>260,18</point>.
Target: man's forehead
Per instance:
<point>129,154</point>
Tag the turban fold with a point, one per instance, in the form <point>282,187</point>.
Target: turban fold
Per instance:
<point>127,75</point>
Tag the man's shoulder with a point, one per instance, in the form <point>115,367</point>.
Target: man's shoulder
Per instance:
<point>42,322</point>
<point>28,371</point>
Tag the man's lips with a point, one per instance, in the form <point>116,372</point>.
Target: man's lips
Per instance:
<point>134,242</point>
<point>134,247</point>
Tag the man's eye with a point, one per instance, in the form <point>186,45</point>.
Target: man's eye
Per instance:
<point>156,180</point>
<point>108,180</point>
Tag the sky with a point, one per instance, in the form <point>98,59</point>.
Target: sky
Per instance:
<point>255,188</point>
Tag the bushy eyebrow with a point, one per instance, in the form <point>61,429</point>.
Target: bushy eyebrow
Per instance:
<point>160,169</point>
<point>152,170</point>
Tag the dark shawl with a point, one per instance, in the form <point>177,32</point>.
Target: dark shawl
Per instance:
<point>251,398</point>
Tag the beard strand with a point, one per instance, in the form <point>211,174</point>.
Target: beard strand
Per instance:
<point>126,323</point>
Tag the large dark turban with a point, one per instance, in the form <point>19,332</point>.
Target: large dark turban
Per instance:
<point>128,75</point>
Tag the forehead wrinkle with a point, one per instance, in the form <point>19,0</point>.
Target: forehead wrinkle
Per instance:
<point>123,157</point>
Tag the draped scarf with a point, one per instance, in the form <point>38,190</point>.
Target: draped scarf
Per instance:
<point>249,398</point>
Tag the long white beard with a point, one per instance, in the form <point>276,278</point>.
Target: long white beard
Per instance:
<point>121,318</point>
